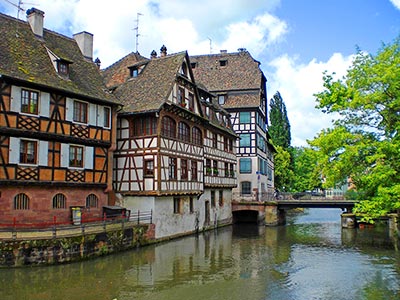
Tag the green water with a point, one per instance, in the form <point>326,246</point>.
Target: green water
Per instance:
<point>310,258</point>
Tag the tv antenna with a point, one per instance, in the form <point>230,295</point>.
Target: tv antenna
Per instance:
<point>210,45</point>
<point>18,6</point>
<point>137,31</point>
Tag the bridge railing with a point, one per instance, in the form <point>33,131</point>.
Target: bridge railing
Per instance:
<point>272,196</point>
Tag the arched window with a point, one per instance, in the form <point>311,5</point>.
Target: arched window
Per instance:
<point>21,202</point>
<point>168,127</point>
<point>183,132</point>
<point>59,201</point>
<point>246,188</point>
<point>92,201</point>
<point>197,137</point>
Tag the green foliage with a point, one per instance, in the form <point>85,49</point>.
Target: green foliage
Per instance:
<point>364,143</point>
<point>306,174</point>
<point>283,172</point>
<point>279,128</point>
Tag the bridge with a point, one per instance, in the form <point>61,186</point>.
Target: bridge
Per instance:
<point>273,213</point>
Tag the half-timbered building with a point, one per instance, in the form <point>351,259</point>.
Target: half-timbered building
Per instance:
<point>240,87</point>
<point>159,163</point>
<point>56,124</point>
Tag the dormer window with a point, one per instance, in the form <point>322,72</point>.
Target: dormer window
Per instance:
<point>134,72</point>
<point>184,69</point>
<point>193,65</point>
<point>221,99</point>
<point>223,63</point>
<point>63,67</point>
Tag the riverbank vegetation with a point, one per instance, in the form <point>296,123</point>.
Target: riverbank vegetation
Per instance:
<point>362,148</point>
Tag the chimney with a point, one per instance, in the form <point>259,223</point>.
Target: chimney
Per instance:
<point>163,51</point>
<point>85,42</point>
<point>35,19</point>
<point>153,54</point>
<point>223,51</point>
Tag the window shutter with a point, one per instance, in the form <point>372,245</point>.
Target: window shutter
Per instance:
<point>69,109</point>
<point>15,104</point>
<point>88,156</point>
<point>92,114</point>
<point>43,153</point>
<point>13,157</point>
<point>64,155</point>
<point>100,116</point>
<point>44,105</point>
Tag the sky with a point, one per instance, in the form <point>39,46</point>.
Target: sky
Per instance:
<point>295,40</point>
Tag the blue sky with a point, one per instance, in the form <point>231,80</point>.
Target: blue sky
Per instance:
<point>295,40</point>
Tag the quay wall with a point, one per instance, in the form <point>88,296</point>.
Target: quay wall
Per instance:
<point>28,250</point>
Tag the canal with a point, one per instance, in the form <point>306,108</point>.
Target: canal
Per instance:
<point>309,258</point>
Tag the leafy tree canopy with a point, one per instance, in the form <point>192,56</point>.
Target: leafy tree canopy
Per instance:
<point>364,143</point>
<point>279,128</point>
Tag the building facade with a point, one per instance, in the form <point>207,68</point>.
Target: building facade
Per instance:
<point>56,124</point>
<point>240,86</point>
<point>162,145</point>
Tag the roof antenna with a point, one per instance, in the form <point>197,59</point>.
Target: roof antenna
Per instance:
<point>19,6</point>
<point>210,45</point>
<point>137,31</point>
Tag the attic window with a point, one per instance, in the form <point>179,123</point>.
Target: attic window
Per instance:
<point>63,67</point>
<point>223,63</point>
<point>193,65</point>
<point>134,72</point>
<point>221,99</point>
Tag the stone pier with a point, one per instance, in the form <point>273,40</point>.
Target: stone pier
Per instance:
<point>348,220</point>
<point>274,216</point>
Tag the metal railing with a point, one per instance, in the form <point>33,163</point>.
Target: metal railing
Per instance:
<point>75,227</point>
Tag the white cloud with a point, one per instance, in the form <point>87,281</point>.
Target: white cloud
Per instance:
<point>396,3</point>
<point>297,83</point>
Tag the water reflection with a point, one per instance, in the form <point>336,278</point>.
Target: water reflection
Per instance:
<point>307,259</point>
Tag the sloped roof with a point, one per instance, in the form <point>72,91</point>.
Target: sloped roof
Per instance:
<point>241,74</point>
<point>24,57</point>
<point>151,88</point>
<point>118,72</point>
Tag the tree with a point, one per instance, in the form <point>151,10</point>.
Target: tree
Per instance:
<point>364,143</point>
<point>283,170</point>
<point>279,128</point>
<point>306,175</point>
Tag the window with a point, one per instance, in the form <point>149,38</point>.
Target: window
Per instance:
<point>184,69</point>
<point>245,140</point>
<point>134,71</point>
<point>191,205</point>
<point>177,205</point>
<point>181,96</point>
<point>172,168</point>
<point>62,67</point>
<point>76,156</point>
<point>28,152</point>
<point>29,102</point>
<point>230,145</point>
<point>168,127</point>
<point>221,198</point>
<point>184,169</point>
<point>223,63</point>
<point>92,201</point>
<point>246,188</point>
<point>215,140</point>
<point>221,99</point>
<point>144,126</point>
<point>21,202</point>
<point>80,112</point>
<point>231,170</point>
<point>245,165</point>
<point>197,137</point>
<point>208,166</point>
<point>149,168</point>
<point>193,65</point>
<point>191,101</point>
<point>226,169</point>
<point>193,170</point>
<point>226,144</point>
<point>59,201</point>
<point>244,117</point>
<point>212,198</point>
<point>215,168</point>
<point>107,117</point>
<point>183,132</point>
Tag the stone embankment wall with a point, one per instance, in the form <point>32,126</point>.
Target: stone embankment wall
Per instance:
<point>33,252</point>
